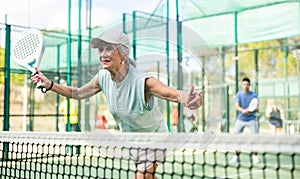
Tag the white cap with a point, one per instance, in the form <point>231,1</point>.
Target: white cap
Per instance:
<point>112,37</point>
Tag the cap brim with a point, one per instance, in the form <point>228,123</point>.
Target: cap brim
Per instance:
<point>96,42</point>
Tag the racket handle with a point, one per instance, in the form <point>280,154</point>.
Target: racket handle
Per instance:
<point>39,85</point>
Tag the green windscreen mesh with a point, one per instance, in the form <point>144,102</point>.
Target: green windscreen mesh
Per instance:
<point>270,22</point>
<point>222,23</point>
<point>219,23</point>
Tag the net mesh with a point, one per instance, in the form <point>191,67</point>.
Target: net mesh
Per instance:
<point>179,155</point>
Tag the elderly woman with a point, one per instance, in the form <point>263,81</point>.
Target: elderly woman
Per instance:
<point>130,93</point>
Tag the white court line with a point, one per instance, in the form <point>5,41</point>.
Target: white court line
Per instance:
<point>256,171</point>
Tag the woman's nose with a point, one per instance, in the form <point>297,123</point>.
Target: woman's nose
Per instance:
<point>102,56</point>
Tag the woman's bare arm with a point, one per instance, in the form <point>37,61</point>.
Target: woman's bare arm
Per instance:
<point>156,88</point>
<point>85,91</point>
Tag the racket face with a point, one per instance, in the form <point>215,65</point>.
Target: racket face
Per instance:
<point>29,48</point>
<point>253,104</point>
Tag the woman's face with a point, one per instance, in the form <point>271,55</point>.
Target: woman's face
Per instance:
<point>109,57</point>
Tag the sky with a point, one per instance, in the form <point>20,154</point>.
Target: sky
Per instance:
<point>53,14</point>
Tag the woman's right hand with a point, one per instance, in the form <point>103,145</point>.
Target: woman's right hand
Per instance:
<point>39,76</point>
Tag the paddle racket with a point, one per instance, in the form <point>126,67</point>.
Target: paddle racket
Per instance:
<point>253,105</point>
<point>28,50</point>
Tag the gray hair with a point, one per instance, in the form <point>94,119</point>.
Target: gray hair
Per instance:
<point>124,52</point>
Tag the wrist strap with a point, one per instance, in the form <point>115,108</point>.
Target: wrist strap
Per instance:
<point>44,90</point>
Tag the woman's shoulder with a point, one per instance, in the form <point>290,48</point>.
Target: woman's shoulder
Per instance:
<point>138,74</point>
<point>103,72</point>
<point>103,76</point>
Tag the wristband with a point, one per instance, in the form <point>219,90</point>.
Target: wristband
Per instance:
<point>44,90</point>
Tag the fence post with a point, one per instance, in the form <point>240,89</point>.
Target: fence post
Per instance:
<point>6,88</point>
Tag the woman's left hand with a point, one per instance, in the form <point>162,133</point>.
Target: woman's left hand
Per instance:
<point>194,99</point>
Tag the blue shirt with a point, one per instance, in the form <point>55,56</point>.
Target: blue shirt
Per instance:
<point>244,100</point>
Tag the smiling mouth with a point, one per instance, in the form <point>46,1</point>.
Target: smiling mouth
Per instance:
<point>105,61</point>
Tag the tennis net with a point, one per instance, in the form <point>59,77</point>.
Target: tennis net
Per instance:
<point>106,154</point>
